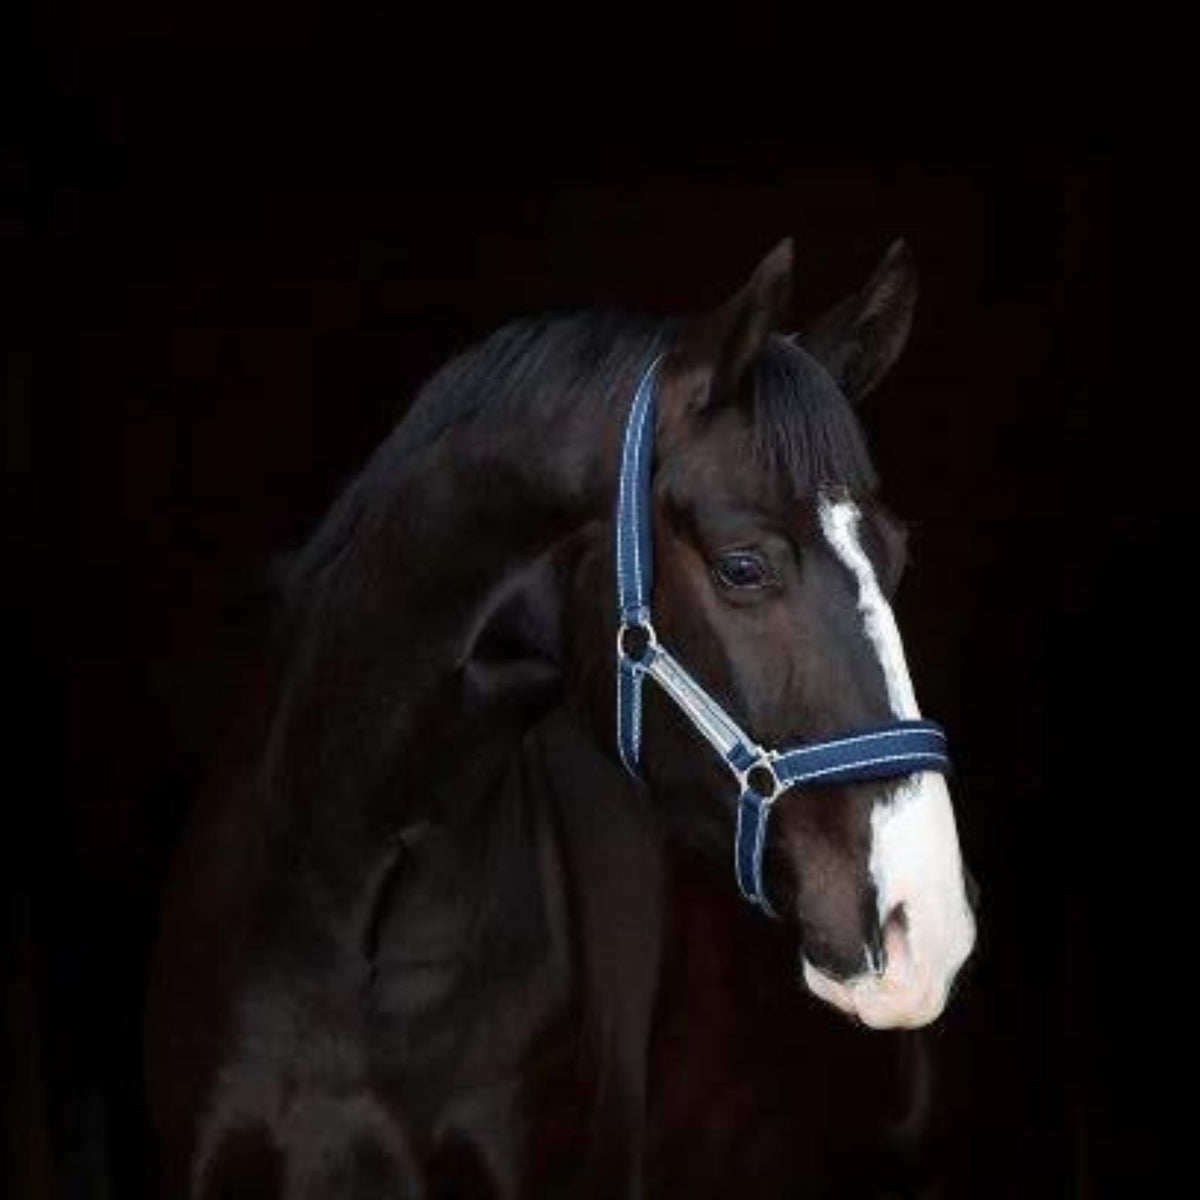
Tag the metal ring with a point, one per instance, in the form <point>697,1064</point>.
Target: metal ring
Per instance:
<point>638,627</point>
<point>767,767</point>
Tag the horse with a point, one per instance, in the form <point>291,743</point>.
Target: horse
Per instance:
<point>458,914</point>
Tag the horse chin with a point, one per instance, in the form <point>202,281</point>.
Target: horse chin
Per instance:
<point>910,991</point>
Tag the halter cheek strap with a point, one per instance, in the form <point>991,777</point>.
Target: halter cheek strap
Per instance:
<point>888,751</point>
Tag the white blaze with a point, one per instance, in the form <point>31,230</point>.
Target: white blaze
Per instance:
<point>915,859</point>
<point>839,521</point>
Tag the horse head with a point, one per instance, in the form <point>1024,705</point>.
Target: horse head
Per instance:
<point>774,563</point>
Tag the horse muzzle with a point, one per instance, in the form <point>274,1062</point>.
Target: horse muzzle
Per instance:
<point>922,954</point>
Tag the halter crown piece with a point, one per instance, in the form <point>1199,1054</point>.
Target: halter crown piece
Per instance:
<point>887,751</point>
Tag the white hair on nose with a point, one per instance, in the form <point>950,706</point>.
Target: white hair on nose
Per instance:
<point>915,860</point>
<point>839,521</point>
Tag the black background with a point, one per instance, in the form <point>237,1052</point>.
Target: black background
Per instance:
<point>236,236</point>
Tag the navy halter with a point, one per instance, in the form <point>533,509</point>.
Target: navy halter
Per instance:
<point>887,751</point>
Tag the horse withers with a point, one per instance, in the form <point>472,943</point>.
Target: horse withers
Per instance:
<point>460,913</point>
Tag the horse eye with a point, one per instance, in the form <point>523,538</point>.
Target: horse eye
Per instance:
<point>741,569</point>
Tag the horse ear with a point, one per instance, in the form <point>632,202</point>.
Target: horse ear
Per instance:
<point>713,351</point>
<point>859,339</point>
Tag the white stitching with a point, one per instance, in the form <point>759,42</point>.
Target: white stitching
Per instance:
<point>865,762</point>
<point>639,437</point>
<point>760,841</point>
<point>636,682</point>
<point>630,457</point>
<point>623,683</point>
<point>737,842</point>
<point>852,739</point>
<point>623,486</point>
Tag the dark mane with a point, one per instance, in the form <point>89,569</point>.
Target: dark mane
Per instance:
<point>536,368</point>
<point>531,369</point>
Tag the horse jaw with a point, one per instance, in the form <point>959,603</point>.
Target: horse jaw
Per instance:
<point>928,927</point>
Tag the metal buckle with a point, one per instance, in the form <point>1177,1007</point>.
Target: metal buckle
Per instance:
<point>760,776</point>
<point>636,654</point>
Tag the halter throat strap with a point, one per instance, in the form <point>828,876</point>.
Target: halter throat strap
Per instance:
<point>893,750</point>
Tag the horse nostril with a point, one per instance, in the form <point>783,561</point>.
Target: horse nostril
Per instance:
<point>971,887</point>
<point>876,959</point>
<point>897,917</point>
<point>890,939</point>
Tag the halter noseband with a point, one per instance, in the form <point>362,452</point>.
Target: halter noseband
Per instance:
<point>887,751</point>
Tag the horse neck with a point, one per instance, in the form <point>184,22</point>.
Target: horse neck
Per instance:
<point>385,699</point>
<point>406,757</point>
